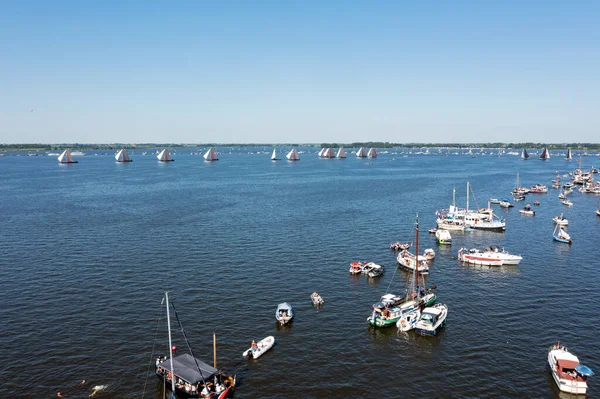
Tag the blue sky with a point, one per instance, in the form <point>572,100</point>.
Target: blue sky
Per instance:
<point>299,71</point>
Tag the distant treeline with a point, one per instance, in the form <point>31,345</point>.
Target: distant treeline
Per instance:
<point>376,144</point>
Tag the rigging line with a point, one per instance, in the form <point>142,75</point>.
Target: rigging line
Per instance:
<point>474,198</point>
<point>392,279</point>
<point>152,353</point>
<point>188,343</point>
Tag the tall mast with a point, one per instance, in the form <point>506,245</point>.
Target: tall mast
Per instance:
<point>467,211</point>
<point>170,344</point>
<point>454,197</point>
<point>417,255</point>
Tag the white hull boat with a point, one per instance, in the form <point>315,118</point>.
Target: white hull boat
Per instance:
<point>432,319</point>
<point>407,261</point>
<point>261,347</point>
<point>284,313</point>
<point>443,237</point>
<point>316,299</point>
<point>568,373</point>
<point>561,220</point>
<point>491,256</point>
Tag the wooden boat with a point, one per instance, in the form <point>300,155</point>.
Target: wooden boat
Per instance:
<point>408,261</point>
<point>372,153</point>
<point>122,156</point>
<point>284,313</point>
<point>316,299</point>
<point>210,155</point>
<point>361,153</point>
<point>432,319</point>
<point>189,376</point>
<point>561,235</point>
<point>164,156</point>
<point>257,349</point>
<point>568,373</point>
<point>274,156</point>
<point>341,154</point>
<point>65,157</point>
<point>293,155</point>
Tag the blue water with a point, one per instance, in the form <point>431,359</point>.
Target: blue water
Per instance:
<point>88,250</point>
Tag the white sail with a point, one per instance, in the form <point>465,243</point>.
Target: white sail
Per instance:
<point>293,155</point>
<point>320,154</point>
<point>164,156</point>
<point>122,156</point>
<point>329,153</point>
<point>341,153</point>
<point>274,155</point>
<point>569,155</point>
<point>372,153</point>
<point>361,153</point>
<point>210,155</point>
<point>65,157</point>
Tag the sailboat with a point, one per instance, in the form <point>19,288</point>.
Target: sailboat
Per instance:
<point>372,153</point>
<point>545,154</point>
<point>123,156</point>
<point>326,153</point>
<point>524,154</point>
<point>561,235</point>
<point>320,153</point>
<point>210,155</point>
<point>164,156</point>
<point>361,153</point>
<point>569,155</point>
<point>65,157</point>
<point>341,154</point>
<point>293,155</point>
<point>274,156</point>
<point>189,376</point>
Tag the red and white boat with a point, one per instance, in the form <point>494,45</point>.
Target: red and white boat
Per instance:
<point>491,256</point>
<point>569,375</point>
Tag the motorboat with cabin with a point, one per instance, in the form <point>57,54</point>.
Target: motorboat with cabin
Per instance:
<point>284,313</point>
<point>570,375</point>
<point>490,256</point>
<point>373,269</point>
<point>560,220</point>
<point>443,237</point>
<point>429,254</point>
<point>432,319</point>
<point>316,299</point>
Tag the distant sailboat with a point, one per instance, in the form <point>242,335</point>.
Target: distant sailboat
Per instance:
<point>361,153</point>
<point>569,156</point>
<point>210,155</point>
<point>320,154</point>
<point>329,153</point>
<point>274,156</point>
<point>545,154</point>
<point>372,153</point>
<point>341,154</point>
<point>524,154</point>
<point>293,155</point>
<point>65,157</point>
<point>164,156</point>
<point>123,156</point>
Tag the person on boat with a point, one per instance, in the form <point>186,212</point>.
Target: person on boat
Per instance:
<point>254,345</point>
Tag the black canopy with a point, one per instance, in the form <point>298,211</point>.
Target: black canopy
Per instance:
<point>185,368</point>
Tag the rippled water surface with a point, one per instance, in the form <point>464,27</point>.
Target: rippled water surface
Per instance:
<point>89,249</point>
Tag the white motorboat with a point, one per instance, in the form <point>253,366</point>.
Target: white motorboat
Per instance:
<point>257,349</point>
<point>568,373</point>
<point>490,256</point>
<point>284,313</point>
<point>429,254</point>
<point>373,269</point>
<point>561,220</point>
<point>505,203</point>
<point>527,210</point>
<point>443,237</point>
<point>567,202</point>
<point>432,319</point>
<point>316,299</point>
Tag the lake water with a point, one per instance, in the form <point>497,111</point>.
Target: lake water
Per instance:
<point>89,249</point>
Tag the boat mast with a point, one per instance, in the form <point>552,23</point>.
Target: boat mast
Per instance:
<point>467,210</point>
<point>454,197</point>
<point>170,344</point>
<point>417,255</point>
<point>214,350</point>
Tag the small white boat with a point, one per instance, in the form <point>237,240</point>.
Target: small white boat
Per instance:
<point>527,210</point>
<point>65,157</point>
<point>561,220</point>
<point>356,268</point>
<point>432,319</point>
<point>284,313</point>
<point>164,156</point>
<point>123,156</point>
<point>210,155</point>
<point>429,254</point>
<point>568,373</point>
<point>505,203</point>
<point>567,202</point>
<point>373,269</point>
<point>316,299</point>
<point>443,237</point>
<point>259,348</point>
<point>293,155</point>
<point>408,320</point>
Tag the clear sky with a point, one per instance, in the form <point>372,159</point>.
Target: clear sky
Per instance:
<point>299,71</point>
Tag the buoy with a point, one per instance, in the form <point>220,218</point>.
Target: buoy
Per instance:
<point>441,241</point>
<point>174,348</point>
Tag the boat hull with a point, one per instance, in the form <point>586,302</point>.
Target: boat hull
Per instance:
<point>262,347</point>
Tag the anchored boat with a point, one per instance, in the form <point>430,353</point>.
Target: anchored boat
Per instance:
<point>257,349</point>
<point>284,313</point>
<point>65,157</point>
<point>561,235</point>
<point>568,373</point>
<point>490,256</point>
<point>123,156</point>
<point>432,319</point>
